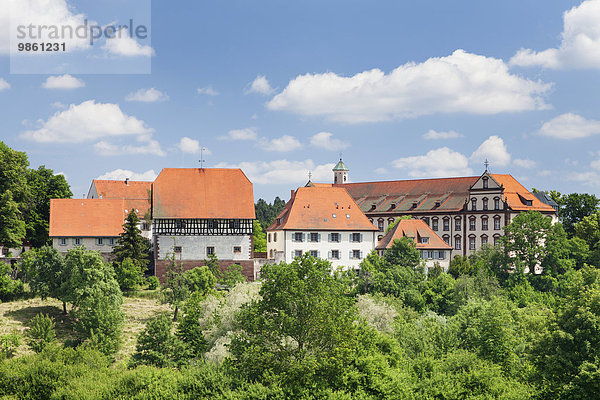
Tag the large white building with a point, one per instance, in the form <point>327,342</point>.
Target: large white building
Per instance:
<point>325,222</point>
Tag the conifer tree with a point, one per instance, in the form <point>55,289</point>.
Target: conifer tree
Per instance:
<point>131,244</point>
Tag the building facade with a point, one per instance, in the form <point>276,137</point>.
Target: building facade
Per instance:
<point>325,222</point>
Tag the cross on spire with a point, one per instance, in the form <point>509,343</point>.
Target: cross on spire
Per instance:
<point>309,175</point>
<point>487,164</point>
<point>201,160</point>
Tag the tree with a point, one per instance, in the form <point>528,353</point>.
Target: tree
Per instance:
<point>575,207</point>
<point>43,185</point>
<point>175,290</point>
<point>13,174</point>
<point>12,226</point>
<point>200,280</point>
<point>266,213</point>
<point>40,333</point>
<point>260,237</point>
<point>301,329</point>
<point>129,274</point>
<point>47,273</point>
<point>131,244</point>
<point>157,346</point>
<point>96,298</point>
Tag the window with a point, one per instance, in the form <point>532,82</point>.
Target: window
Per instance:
<point>334,237</point>
<point>111,241</point>
<point>77,242</point>
<point>379,237</point>
<point>298,237</point>
<point>472,243</point>
<point>275,236</point>
<point>484,240</point>
<point>446,239</point>
<point>380,225</point>
<point>434,224</point>
<point>334,255</point>
<point>179,224</point>
<point>145,226</point>
<point>314,237</point>
<point>426,220</point>
<point>269,238</point>
<point>348,216</point>
<point>485,183</point>
<point>457,240</point>
<point>446,224</point>
<point>236,224</point>
<point>356,238</point>
<point>271,253</point>
<point>457,224</point>
<point>211,224</point>
<point>333,216</point>
<point>472,224</point>
<point>425,240</point>
<point>297,253</point>
<point>496,203</point>
<point>485,204</point>
<point>237,249</point>
<point>176,249</point>
<point>62,241</point>
<point>441,255</point>
<point>474,204</point>
<point>496,239</point>
<point>356,254</point>
<point>314,253</point>
<point>484,224</point>
<point>496,223</point>
<point>210,251</point>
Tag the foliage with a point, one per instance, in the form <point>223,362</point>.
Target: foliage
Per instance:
<point>376,313</point>
<point>46,272</point>
<point>10,289</point>
<point>41,332</point>
<point>12,226</point>
<point>153,282</point>
<point>526,239</point>
<point>200,280</point>
<point>574,208</point>
<point>232,275</point>
<point>158,346</point>
<point>259,236</point>
<point>266,212</point>
<point>129,274</point>
<point>131,244</point>
<point>8,345</point>
<point>96,298</point>
<point>175,290</point>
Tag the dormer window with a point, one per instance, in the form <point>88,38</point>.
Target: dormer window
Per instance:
<point>485,182</point>
<point>415,204</point>
<point>393,206</point>
<point>528,203</point>
<point>425,240</point>
<point>437,204</point>
<point>373,206</point>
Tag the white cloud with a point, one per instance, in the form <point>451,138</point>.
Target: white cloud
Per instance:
<point>209,91</point>
<point>494,150</point>
<point>40,13</point>
<point>282,144</point>
<point>124,45</point>
<point>260,85</point>
<point>146,145</point>
<point>380,171</point>
<point>595,164</point>
<point>442,162</point>
<point>86,122</point>
<point>4,85</point>
<point>191,146</point>
<point>545,172</point>
<point>524,163</point>
<point>570,126</point>
<point>283,171</point>
<point>151,95</point>
<point>461,82</point>
<point>325,140</point>
<point>59,105</point>
<point>434,135</point>
<point>590,178</point>
<point>580,44</point>
<point>65,82</point>
<point>122,174</point>
<point>61,174</point>
<point>240,134</point>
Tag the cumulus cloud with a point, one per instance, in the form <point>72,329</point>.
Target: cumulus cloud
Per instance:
<point>124,45</point>
<point>579,46</point>
<point>191,146</point>
<point>209,91</point>
<point>442,162</point>
<point>325,140</point>
<point>570,126</point>
<point>589,178</point>
<point>240,134</point>
<point>4,85</point>
<point>461,82</point>
<point>260,85</point>
<point>524,163</point>
<point>433,135</point>
<point>122,174</point>
<point>151,95</point>
<point>86,122</point>
<point>283,171</point>
<point>282,144</point>
<point>380,171</point>
<point>494,150</point>
<point>59,105</point>
<point>64,82</point>
<point>145,145</point>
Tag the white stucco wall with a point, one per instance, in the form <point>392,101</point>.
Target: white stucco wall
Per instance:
<point>88,242</point>
<point>194,247</point>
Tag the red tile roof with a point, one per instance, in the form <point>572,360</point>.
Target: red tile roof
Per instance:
<point>314,208</point>
<point>413,228</point>
<point>137,193</point>
<point>515,194</point>
<point>86,217</point>
<point>202,193</point>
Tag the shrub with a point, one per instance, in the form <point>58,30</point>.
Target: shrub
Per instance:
<point>8,345</point>
<point>129,274</point>
<point>153,282</point>
<point>41,332</point>
<point>158,346</point>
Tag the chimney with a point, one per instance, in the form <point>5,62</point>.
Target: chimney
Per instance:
<point>127,181</point>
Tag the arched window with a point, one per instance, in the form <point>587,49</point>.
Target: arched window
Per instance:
<point>485,182</point>
<point>496,239</point>
<point>472,242</point>
<point>379,237</point>
<point>484,223</point>
<point>446,224</point>
<point>484,240</point>
<point>434,223</point>
<point>474,204</point>
<point>497,223</point>
<point>457,240</point>
<point>485,203</point>
<point>472,223</point>
<point>446,239</point>
<point>380,224</point>
<point>457,224</point>
<point>496,203</point>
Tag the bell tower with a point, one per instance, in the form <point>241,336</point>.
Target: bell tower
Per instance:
<point>340,173</point>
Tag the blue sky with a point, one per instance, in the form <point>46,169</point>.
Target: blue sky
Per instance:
<point>403,89</point>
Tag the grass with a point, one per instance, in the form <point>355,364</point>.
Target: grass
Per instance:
<point>15,317</point>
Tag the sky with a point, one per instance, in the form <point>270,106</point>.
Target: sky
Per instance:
<point>401,89</point>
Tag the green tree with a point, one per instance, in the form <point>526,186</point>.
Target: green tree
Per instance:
<point>13,174</point>
<point>47,273</point>
<point>40,333</point>
<point>129,274</point>
<point>260,237</point>
<point>12,226</point>
<point>526,239</point>
<point>175,290</point>
<point>200,280</point>
<point>232,275</point>
<point>10,288</point>
<point>131,244</point>
<point>266,213</point>
<point>575,207</point>
<point>157,346</point>
<point>96,298</point>
<point>43,185</point>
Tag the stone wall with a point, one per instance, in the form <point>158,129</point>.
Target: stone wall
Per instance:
<point>247,267</point>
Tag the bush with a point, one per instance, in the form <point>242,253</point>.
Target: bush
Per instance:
<point>41,332</point>
<point>10,289</point>
<point>129,274</point>
<point>233,275</point>
<point>153,282</point>
<point>8,345</point>
<point>158,346</point>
